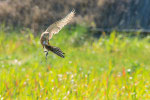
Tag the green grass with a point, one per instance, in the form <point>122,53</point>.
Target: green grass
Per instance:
<point>115,67</point>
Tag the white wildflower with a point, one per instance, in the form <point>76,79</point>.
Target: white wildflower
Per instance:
<point>24,83</point>
<point>72,81</point>
<point>60,79</point>
<point>64,97</point>
<point>72,76</point>
<point>15,61</point>
<point>67,73</point>
<point>59,75</point>
<point>86,85</point>
<point>123,87</point>
<point>130,78</point>
<point>70,62</point>
<point>86,76</point>
<point>68,92</point>
<point>40,75</point>
<point>28,79</point>
<point>93,80</point>
<point>80,68</point>
<point>19,63</point>
<point>89,72</point>
<point>50,72</point>
<point>133,93</point>
<point>128,70</point>
<point>52,88</point>
<point>46,98</point>
<point>52,80</point>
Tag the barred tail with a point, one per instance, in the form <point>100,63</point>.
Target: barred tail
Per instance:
<point>55,50</point>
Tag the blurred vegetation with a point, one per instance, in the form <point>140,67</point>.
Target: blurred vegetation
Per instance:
<point>111,67</point>
<point>39,14</point>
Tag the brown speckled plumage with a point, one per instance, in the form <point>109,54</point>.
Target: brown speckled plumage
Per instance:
<point>54,29</point>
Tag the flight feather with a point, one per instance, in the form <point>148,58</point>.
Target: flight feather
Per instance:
<point>57,26</point>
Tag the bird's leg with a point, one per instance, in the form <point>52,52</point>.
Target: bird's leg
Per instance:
<point>46,54</point>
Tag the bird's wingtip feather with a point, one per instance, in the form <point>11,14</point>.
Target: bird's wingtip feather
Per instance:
<point>73,10</point>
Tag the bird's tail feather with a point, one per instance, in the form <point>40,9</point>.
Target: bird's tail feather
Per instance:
<point>55,50</point>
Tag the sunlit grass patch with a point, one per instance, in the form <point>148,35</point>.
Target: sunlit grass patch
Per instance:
<point>111,67</point>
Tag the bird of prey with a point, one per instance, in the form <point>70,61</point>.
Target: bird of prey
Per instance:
<point>52,30</point>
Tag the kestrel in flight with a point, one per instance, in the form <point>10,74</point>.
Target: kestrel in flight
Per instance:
<point>54,29</point>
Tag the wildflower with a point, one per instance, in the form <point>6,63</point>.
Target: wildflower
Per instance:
<point>136,83</point>
<point>52,88</point>
<point>19,63</point>
<point>128,70</point>
<point>123,87</point>
<point>93,80</point>
<point>72,81</point>
<point>146,86</point>
<point>123,72</point>
<point>59,75</point>
<point>60,79</point>
<point>51,72</point>
<point>74,90</point>
<point>119,75</point>
<point>130,78</point>
<point>86,85</point>
<point>70,62</point>
<point>65,97</point>
<point>67,73</point>
<point>68,92</point>
<point>42,89</point>
<point>46,98</point>
<point>72,76</point>
<point>40,75</point>
<point>133,93</point>
<point>80,68</point>
<point>15,61</point>
<point>58,91</point>
<point>24,83</point>
<point>52,80</point>
<point>85,75</point>
<point>89,72</point>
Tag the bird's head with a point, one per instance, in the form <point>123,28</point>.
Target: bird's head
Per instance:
<point>45,35</point>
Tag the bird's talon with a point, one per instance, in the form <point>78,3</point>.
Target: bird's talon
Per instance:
<point>46,54</point>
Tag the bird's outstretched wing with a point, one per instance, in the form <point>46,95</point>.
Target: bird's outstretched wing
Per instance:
<point>57,26</point>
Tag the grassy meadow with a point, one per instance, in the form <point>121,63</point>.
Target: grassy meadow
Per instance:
<point>114,67</point>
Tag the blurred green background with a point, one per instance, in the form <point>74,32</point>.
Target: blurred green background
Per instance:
<point>99,65</point>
